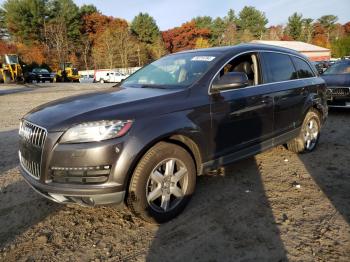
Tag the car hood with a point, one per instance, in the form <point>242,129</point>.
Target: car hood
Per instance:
<point>337,80</point>
<point>116,104</point>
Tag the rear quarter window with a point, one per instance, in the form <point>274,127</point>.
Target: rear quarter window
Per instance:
<point>303,69</point>
<point>278,67</point>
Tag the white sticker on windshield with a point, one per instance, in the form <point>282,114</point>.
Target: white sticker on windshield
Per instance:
<point>203,58</point>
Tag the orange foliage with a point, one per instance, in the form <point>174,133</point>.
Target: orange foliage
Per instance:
<point>31,54</point>
<point>320,40</point>
<point>320,36</point>
<point>95,24</point>
<point>286,37</point>
<point>347,28</point>
<point>7,48</point>
<point>184,37</point>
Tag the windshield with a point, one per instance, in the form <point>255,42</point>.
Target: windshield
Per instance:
<point>174,71</point>
<point>40,70</point>
<point>11,59</point>
<point>338,68</point>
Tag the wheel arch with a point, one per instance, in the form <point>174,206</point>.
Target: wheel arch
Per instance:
<point>178,139</point>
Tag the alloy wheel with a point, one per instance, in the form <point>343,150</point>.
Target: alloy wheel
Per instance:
<point>167,185</point>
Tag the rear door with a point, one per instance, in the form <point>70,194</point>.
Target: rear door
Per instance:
<point>289,92</point>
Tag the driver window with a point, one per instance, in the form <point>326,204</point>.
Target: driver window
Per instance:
<point>248,64</point>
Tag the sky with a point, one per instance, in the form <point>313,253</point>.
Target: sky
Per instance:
<point>169,14</point>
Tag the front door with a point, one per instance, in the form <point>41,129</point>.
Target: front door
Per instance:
<point>243,117</point>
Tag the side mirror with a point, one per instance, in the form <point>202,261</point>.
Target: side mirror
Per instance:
<point>231,80</point>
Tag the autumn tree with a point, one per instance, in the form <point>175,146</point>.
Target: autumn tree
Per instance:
<point>274,33</point>
<point>319,36</point>
<point>184,37</point>
<point>57,40</point>
<point>346,27</point>
<point>252,20</point>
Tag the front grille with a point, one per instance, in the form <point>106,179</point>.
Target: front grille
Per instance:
<point>340,91</point>
<point>32,139</point>
<point>32,134</point>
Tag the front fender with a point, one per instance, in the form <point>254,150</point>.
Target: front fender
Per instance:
<point>146,133</point>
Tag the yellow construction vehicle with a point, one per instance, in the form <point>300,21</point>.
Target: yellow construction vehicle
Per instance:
<point>67,73</point>
<point>10,69</point>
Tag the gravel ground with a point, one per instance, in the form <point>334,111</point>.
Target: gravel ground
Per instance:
<point>276,206</point>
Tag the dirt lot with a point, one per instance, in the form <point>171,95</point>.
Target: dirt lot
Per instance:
<point>277,206</point>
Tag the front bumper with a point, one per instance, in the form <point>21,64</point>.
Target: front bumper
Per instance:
<point>339,97</point>
<point>81,189</point>
<point>86,196</point>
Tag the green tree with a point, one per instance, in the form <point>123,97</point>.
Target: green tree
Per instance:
<point>328,23</point>
<point>203,22</point>
<point>252,20</point>
<point>87,10</point>
<point>2,24</point>
<point>67,12</point>
<point>307,30</point>
<point>230,17</point>
<point>341,47</point>
<point>24,19</point>
<point>145,28</point>
<point>295,26</point>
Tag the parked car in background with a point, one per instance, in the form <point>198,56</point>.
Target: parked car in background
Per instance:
<point>39,75</point>
<point>113,77</point>
<point>86,79</point>
<point>337,78</point>
<point>322,66</point>
<point>181,116</point>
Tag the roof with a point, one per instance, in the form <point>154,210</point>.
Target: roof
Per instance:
<point>295,45</point>
<point>242,48</point>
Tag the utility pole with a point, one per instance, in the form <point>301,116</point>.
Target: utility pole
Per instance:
<point>138,55</point>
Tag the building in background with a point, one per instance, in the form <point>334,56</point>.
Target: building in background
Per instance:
<point>313,52</point>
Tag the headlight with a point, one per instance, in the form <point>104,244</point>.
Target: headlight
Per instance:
<point>96,131</point>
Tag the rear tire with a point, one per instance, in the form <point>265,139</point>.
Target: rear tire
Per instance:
<point>162,183</point>
<point>309,135</point>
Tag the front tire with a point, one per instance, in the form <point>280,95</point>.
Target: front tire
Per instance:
<point>309,134</point>
<point>162,183</point>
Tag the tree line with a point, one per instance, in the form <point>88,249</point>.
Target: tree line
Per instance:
<point>50,32</point>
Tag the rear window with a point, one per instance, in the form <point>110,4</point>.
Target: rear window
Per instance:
<point>303,68</point>
<point>278,67</point>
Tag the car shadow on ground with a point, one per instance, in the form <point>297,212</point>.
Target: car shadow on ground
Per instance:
<point>20,209</point>
<point>330,171</point>
<point>9,150</point>
<point>4,92</point>
<point>236,224</point>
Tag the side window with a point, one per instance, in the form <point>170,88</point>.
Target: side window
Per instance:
<point>248,64</point>
<point>303,69</point>
<point>278,67</point>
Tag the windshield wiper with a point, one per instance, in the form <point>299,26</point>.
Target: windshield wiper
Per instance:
<point>153,86</point>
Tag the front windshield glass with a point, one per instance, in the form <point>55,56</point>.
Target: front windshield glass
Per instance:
<point>40,70</point>
<point>338,68</point>
<point>11,59</point>
<point>173,71</point>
